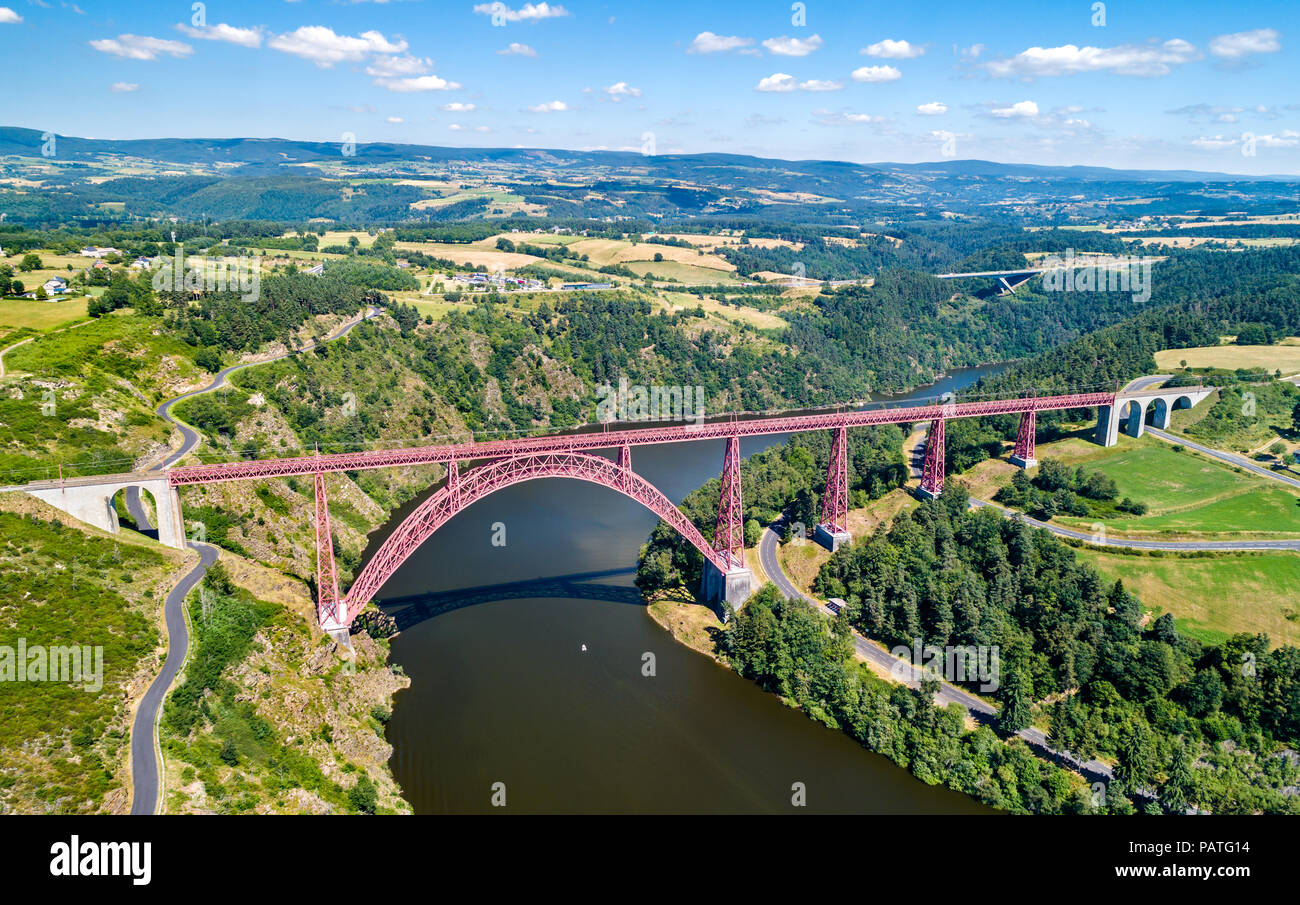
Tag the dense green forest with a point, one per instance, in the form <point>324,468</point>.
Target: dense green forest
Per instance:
<point>791,650</point>
<point>1154,700</point>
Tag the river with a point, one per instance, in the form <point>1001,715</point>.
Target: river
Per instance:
<point>547,696</point>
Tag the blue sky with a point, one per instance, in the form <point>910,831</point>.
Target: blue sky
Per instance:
<point>1159,85</point>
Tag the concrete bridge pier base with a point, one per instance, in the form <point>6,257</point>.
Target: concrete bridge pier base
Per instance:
<point>733,587</point>
<point>830,539</point>
<point>1107,426</point>
<point>342,634</point>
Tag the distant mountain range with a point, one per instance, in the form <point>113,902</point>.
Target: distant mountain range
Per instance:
<point>92,181</point>
<point>20,142</point>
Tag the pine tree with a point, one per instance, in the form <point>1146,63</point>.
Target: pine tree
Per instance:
<point>1179,790</point>
<point>1013,695</point>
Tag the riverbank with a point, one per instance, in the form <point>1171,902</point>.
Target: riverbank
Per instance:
<point>691,623</point>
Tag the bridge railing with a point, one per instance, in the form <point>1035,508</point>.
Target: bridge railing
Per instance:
<point>677,433</point>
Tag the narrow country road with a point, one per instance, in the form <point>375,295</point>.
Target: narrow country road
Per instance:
<point>1228,458</point>
<point>22,342</point>
<point>1193,546</point>
<point>189,437</point>
<point>145,754</point>
<point>8,349</point>
<point>904,671</point>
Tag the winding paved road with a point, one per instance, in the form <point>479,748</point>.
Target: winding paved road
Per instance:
<point>145,753</point>
<point>1228,458</point>
<point>903,670</point>
<point>1193,546</point>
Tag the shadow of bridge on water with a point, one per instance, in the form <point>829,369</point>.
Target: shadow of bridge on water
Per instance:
<point>413,609</point>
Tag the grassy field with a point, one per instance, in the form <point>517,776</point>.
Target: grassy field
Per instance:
<point>86,395</point>
<point>678,301</point>
<point>1194,241</point>
<point>1187,495</point>
<point>431,306</point>
<point>1190,495</point>
<point>1284,356</point>
<point>1211,598</point>
<point>619,251</point>
<point>683,273</point>
<point>475,254</point>
<point>41,316</point>
<point>63,744</point>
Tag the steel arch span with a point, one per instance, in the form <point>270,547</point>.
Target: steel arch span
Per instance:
<point>462,491</point>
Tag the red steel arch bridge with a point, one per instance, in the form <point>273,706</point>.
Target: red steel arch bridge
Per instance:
<point>501,463</point>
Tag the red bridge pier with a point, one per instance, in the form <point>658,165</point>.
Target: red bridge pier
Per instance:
<point>833,530</point>
<point>932,470</point>
<point>1023,455</point>
<point>734,585</point>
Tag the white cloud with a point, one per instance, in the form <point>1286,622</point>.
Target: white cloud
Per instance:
<point>417,83</point>
<point>830,118</point>
<point>549,107</point>
<point>792,47</point>
<point>1288,139</point>
<point>1068,59</point>
<point>517,50</point>
<point>458,107</point>
<point>1244,43</point>
<point>140,47</point>
<point>820,85</point>
<point>876,74</point>
<point>890,49</point>
<point>391,67</point>
<point>245,37</point>
<point>9,17</point>
<point>1017,110</point>
<point>1219,113</point>
<point>708,42</point>
<point>934,108</point>
<point>124,87</point>
<point>324,47</point>
<point>396,119</point>
<point>529,12</point>
<point>620,90</point>
<point>777,81</point>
